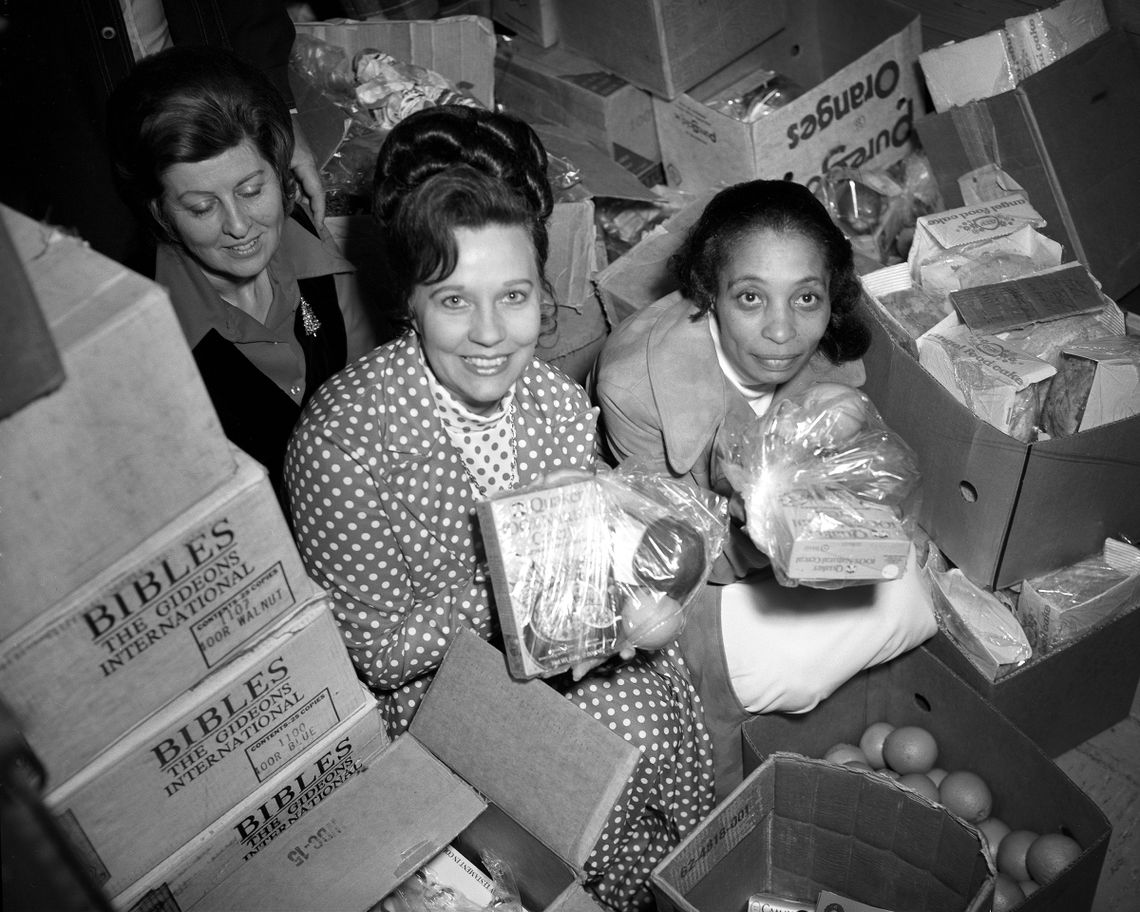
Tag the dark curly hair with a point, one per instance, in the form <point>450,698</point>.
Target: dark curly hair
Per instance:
<point>455,166</point>
<point>785,207</point>
<point>186,105</point>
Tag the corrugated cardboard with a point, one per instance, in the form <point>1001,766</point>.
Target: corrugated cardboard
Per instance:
<point>535,20</point>
<point>549,773</point>
<point>274,811</point>
<point>999,509</point>
<point>1029,791</point>
<point>555,85</point>
<point>798,825</point>
<point>857,61</point>
<point>126,444</point>
<point>183,767</point>
<point>998,60</point>
<point>29,361</point>
<point>666,47</point>
<point>1070,137</point>
<point>1061,698</point>
<point>154,623</point>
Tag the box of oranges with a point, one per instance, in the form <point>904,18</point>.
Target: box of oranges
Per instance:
<point>914,721</point>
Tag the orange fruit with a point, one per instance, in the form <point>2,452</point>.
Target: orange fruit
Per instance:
<point>1049,855</point>
<point>967,795</point>
<point>844,753</point>
<point>995,831</point>
<point>1007,893</point>
<point>1011,853</point>
<point>937,775</point>
<point>910,749</point>
<point>1028,886</point>
<point>920,783</point>
<point>872,742</point>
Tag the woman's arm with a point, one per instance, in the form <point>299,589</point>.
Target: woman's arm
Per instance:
<point>399,596</point>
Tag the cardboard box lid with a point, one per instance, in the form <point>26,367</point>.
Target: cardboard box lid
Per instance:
<point>549,765</point>
<point>381,826</point>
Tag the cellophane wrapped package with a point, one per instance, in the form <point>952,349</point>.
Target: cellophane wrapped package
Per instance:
<point>586,566</point>
<point>830,492</point>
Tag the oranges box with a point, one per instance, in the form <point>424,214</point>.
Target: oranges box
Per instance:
<point>128,441</point>
<point>174,608</point>
<point>800,825</point>
<point>1028,790</point>
<point>180,769</point>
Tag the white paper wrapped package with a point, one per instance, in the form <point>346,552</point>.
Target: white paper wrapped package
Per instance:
<point>829,490</point>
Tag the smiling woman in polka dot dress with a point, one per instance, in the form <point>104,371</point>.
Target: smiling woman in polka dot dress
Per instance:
<point>392,454</point>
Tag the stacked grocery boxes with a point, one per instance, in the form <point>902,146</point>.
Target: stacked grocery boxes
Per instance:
<point>168,659</point>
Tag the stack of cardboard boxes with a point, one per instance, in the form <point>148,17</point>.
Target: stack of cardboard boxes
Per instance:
<point>162,648</point>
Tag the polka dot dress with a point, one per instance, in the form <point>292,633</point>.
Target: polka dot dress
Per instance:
<point>382,503</point>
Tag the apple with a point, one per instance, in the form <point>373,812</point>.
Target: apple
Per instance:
<point>670,557</point>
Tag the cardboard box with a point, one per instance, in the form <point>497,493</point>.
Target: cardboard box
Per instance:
<point>1044,135</point>
<point>154,623</point>
<point>798,825</point>
<point>857,61</point>
<point>1064,697</point>
<point>539,777</point>
<point>29,362</point>
<point>126,444</point>
<point>999,509</point>
<point>459,48</point>
<point>998,60</point>
<point>662,46</point>
<point>1029,791</point>
<point>177,771</point>
<point>273,812</point>
<point>642,274</point>
<point>555,85</point>
<point>534,20</point>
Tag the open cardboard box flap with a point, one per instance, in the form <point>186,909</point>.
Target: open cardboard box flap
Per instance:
<point>552,767</point>
<point>361,842</point>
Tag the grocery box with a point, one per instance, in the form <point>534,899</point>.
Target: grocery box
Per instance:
<point>488,763</point>
<point>1063,697</point>
<point>29,362</point>
<point>273,811</point>
<point>555,85</point>
<point>857,61</point>
<point>664,46</point>
<point>798,825</point>
<point>999,509</point>
<point>535,20</point>
<point>1029,791</point>
<point>180,769</point>
<point>128,442</point>
<point>998,60</point>
<point>153,623</point>
<point>642,274</point>
<point>1044,134</point>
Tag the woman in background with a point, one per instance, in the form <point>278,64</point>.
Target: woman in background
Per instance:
<point>392,455</point>
<point>202,144</point>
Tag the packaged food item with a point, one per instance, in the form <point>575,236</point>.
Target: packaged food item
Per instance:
<point>830,492</point>
<point>1058,607</point>
<point>997,382</point>
<point>1097,383</point>
<point>975,618</point>
<point>584,566</point>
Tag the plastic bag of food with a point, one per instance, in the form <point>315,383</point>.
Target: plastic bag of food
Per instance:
<point>830,492</point>
<point>584,566</point>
